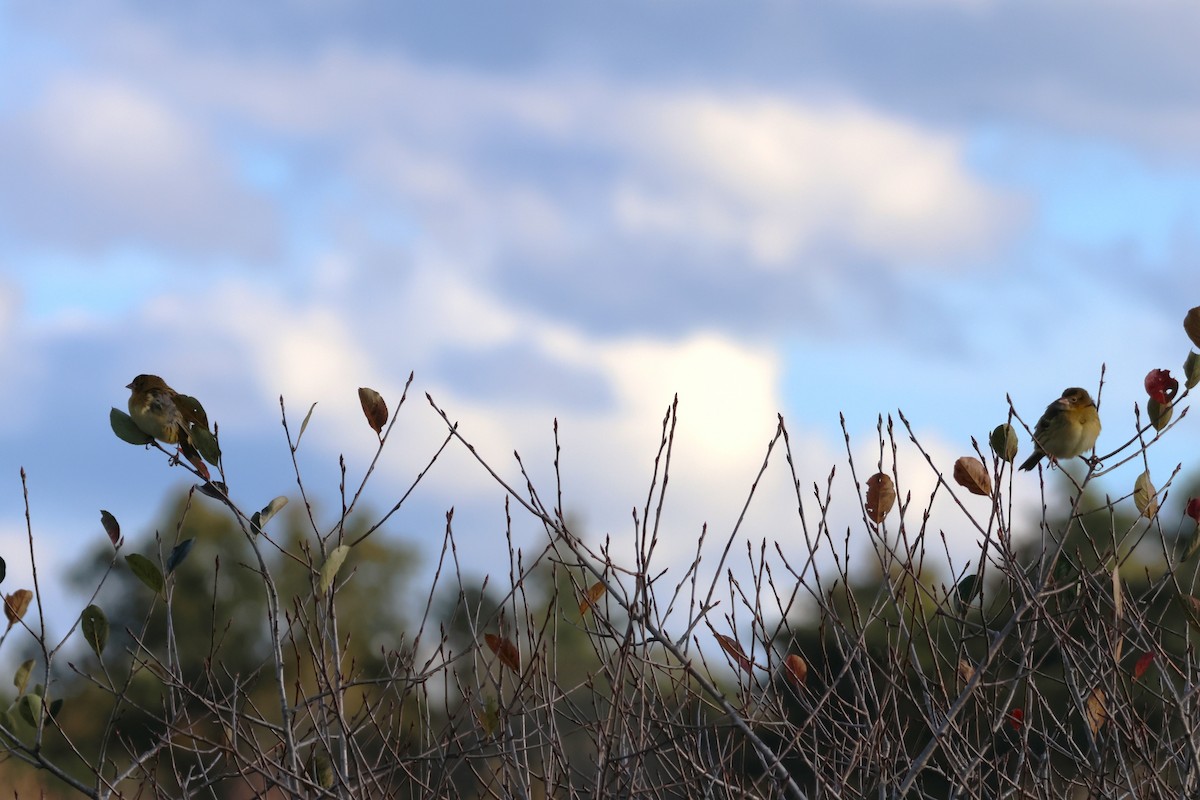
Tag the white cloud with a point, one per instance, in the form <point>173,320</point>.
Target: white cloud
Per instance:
<point>100,162</point>
<point>776,177</point>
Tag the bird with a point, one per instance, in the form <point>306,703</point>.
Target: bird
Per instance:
<point>1068,428</point>
<point>160,411</point>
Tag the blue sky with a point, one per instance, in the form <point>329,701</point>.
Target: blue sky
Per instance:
<point>576,211</point>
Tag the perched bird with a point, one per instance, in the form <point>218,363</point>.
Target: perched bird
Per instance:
<point>173,418</point>
<point>1068,428</point>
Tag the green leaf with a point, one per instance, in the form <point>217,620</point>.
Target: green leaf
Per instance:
<point>260,518</point>
<point>214,489</point>
<point>178,554</point>
<point>55,707</point>
<point>966,590</point>
<point>329,569</point>
<point>304,425</point>
<point>21,679</point>
<point>111,527</point>
<point>95,628</point>
<point>146,571</point>
<point>30,708</point>
<point>1159,414</point>
<point>205,444</point>
<point>1004,442</point>
<point>126,429</point>
<point>1191,369</point>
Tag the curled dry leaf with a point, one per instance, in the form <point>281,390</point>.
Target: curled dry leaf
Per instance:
<point>1191,325</point>
<point>1004,442</point>
<point>505,650</point>
<point>734,650</point>
<point>1142,664</point>
<point>797,668</point>
<point>16,604</point>
<point>970,473</point>
<point>1096,709</point>
<point>591,597</point>
<point>965,670</point>
<point>374,408</point>
<point>881,496</point>
<point>1145,495</point>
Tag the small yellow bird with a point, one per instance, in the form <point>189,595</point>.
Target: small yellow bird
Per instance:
<point>1068,428</point>
<point>171,417</point>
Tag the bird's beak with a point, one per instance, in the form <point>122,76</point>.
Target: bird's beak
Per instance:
<point>129,386</point>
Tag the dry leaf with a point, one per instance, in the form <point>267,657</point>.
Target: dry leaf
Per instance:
<point>1097,712</point>
<point>591,597</point>
<point>1143,663</point>
<point>16,604</point>
<point>881,496</point>
<point>505,650</point>
<point>1144,495</point>
<point>797,668</point>
<point>965,670</point>
<point>374,408</point>
<point>730,646</point>
<point>970,473</point>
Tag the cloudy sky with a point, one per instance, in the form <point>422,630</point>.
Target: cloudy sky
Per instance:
<point>576,211</point>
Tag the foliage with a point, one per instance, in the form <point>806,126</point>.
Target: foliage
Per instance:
<point>260,652</point>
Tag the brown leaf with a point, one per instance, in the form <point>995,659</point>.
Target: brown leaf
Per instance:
<point>965,670</point>
<point>1191,325</point>
<point>1096,710</point>
<point>374,408</point>
<point>591,597</point>
<point>797,668</point>
<point>16,604</point>
<point>505,650</point>
<point>970,473</point>
<point>881,496</point>
<point>1143,663</point>
<point>734,650</point>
